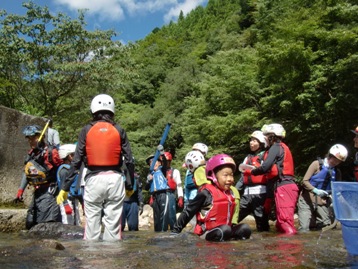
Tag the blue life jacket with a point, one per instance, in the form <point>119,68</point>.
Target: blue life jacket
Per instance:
<point>75,188</point>
<point>159,182</point>
<point>189,182</point>
<point>322,180</point>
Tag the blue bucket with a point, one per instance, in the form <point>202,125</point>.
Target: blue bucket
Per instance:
<point>350,236</point>
<point>345,204</point>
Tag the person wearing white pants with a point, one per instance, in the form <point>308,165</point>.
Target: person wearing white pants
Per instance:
<point>104,190</point>
<point>103,147</point>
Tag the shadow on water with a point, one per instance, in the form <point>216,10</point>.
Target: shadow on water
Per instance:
<point>146,249</point>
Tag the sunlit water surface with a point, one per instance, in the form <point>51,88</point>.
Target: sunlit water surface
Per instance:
<point>146,249</point>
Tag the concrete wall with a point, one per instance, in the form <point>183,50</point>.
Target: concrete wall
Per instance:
<point>13,149</point>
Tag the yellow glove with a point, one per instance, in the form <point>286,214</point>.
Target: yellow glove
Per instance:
<point>62,196</point>
<point>129,193</point>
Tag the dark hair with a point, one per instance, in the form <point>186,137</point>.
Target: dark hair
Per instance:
<point>104,115</point>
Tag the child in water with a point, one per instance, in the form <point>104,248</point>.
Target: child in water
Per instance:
<point>215,204</point>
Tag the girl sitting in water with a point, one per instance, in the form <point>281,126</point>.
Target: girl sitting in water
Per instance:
<point>215,204</point>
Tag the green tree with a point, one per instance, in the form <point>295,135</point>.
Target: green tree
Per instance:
<point>46,57</point>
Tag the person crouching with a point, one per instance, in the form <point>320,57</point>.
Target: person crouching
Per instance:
<point>215,204</point>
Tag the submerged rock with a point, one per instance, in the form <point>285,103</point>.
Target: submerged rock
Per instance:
<point>56,230</point>
<point>52,244</point>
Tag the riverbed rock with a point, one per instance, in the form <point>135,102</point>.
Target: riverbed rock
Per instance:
<point>12,220</point>
<point>13,150</point>
<point>56,230</point>
<point>51,243</point>
<point>146,219</point>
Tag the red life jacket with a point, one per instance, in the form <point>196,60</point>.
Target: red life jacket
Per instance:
<point>251,179</point>
<point>103,145</point>
<point>283,168</point>
<point>171,182</point>
<point>220,212</point>
<point>288,168</point>
<point>273,171</point>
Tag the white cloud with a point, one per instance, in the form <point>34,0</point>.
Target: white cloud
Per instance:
<point>186,7</point>
<point>110,9</point>
<point>116,10</point>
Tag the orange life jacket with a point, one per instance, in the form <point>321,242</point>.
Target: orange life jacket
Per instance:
<point>103,145</point>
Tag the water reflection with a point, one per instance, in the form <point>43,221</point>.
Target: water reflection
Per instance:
<point>286,252</point>
<point>146,249</point>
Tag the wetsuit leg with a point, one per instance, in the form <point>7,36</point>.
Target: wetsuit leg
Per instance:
<point>161,212</point>
<point>172,209</point>
<point>218,234</point>
<point>132,217</point>
<point>126,206</point>
<point>245,209</point>
<point>261,219</point>
<point>241,231</point>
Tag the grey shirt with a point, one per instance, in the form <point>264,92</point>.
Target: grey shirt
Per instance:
<point>53,137</point>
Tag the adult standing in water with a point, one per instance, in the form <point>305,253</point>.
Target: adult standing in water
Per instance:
<point>314,211</point>
<point>40,172</point>
<point>278,167</point>
<point>101,145</point>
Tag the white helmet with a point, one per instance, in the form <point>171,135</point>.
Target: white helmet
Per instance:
<point>102,102</point>
<point>201,147</point>
<point>194,159</point>
<point>260,137</point>
<point>339,151</point>
<point>274,128</point>
<point>66,150</point>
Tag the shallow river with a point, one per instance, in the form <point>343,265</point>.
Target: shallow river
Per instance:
<point>146,249</point>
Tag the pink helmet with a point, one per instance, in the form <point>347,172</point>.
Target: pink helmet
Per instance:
<point>217,161</point>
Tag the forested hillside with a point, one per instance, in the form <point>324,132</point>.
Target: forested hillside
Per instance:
<point>217,74</point>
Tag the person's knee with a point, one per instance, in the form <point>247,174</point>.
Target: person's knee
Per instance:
<point>242,231</point>
<point>218,234</point>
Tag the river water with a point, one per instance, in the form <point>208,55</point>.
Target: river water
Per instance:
<point>147,249</point>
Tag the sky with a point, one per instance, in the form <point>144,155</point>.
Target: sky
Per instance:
<point>131,19</point>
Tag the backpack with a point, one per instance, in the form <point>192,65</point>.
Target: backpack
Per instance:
<point>75,188</point>
<point>36,174</point>
<point>36,170</point>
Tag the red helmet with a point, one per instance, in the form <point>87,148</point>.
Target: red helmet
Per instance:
<point>168,156</point>
<point>217,161</point>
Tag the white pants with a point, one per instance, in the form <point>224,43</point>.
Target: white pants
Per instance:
<point>104,191</point>
<point>74,218</point>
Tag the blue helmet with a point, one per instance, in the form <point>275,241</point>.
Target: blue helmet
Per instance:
<point>32,130</point>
